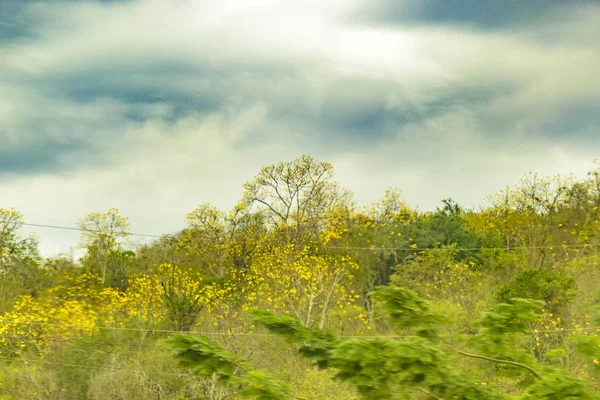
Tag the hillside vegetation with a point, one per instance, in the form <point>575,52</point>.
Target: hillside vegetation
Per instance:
<point>300,293</point>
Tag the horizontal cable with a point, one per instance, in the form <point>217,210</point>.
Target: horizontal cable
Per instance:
<point>87,366</point>
<point>30,340</point>
<point>207,333</point>
<point>550,247</point>
<point>85,230</point>
<point>373,248</point>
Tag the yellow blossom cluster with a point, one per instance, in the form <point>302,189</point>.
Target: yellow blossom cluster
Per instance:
<point>453,281</point>
<point>81,304</point>
<point>191,282</point>
<point>299,282</point>
<point>36,324</point>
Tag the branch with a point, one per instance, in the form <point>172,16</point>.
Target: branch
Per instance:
<point>271,208</point>
<point>428,393</point>
<point>513,363</point>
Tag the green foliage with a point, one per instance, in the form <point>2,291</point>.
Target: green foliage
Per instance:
<point>375,367</point>
<point>458,386</point>
<point>554,288</point>
<point>383,368</point>
<point>119,265</point>
<point>295,244</point>
<point>447,226</point>
<point>501,333</point>
<point>588,347</point>
<point>19,260</point>
<point>313,344</point>
<point>407,310</point>
<point>379,367</point>
<point>183,302</point>
<point>207,358</point>
<point>510,318</point>
<point>559,387</point>
<point>259,386</point>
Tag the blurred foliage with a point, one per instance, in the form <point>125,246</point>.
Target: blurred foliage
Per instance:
<point>555,288</point>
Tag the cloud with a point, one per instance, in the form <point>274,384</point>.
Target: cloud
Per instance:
<point>163,172</point>
<point>43,131</point>
<point>490,15</point>
<point>155,106</point>
<point>448,157</point>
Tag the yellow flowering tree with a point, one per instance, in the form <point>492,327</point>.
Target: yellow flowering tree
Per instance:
<point>103,234</point>
<point>37,325</point>
<point>295,197</point>
<point>217,242</point>
<point>81,305</point>
<point>175,296</point>
<point>302,282</point>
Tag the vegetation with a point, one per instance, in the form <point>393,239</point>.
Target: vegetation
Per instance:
<point>300,293</point>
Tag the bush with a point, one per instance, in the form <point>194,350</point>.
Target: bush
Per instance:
<point>555,288</point>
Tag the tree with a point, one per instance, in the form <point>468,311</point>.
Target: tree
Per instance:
<point>306,284</point>
<point>417,364</point>
<point>206,238</point>
<point>391,208</point>
<point>447,226</point>
<point>18,256</point>
<point>208,359</point>
<point>383,224</point>
<point>555,288</point>
<point>103,234</point>
<point>220,242</point>
<point>296,196</point>
<point>183,298</point>
<point>14,247</point>
<point>119,263</point>
<point>525,207</point>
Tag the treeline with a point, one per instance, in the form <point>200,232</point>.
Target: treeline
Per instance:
<point>383,301</point>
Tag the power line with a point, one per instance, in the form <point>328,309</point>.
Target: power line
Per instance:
<point>30,340</point>
<point>148,330</point>
<point>112,369</point>
<point>461,248</point>
<point>208,333</point>
<point>85,230</point>
<point>372,248</point>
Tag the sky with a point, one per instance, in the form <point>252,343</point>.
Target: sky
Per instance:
<point>156,106</point>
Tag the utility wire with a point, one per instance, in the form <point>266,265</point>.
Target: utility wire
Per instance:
<point>30,340</point>
<point>87,366</point>
<point>372,248</point>
<point>83,230</point>
<point>562,246</point>
<point>206,333</point>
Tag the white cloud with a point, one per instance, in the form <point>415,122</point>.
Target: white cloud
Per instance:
<point>272,67</point>
<point>309,36</point>
<point>446,158</point>
<point>164,173</point>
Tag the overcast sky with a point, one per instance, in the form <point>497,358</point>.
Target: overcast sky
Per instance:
<point>155,106</point>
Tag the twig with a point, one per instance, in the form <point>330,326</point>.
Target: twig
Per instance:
<point>427,392</point>
<point>514,363</point>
